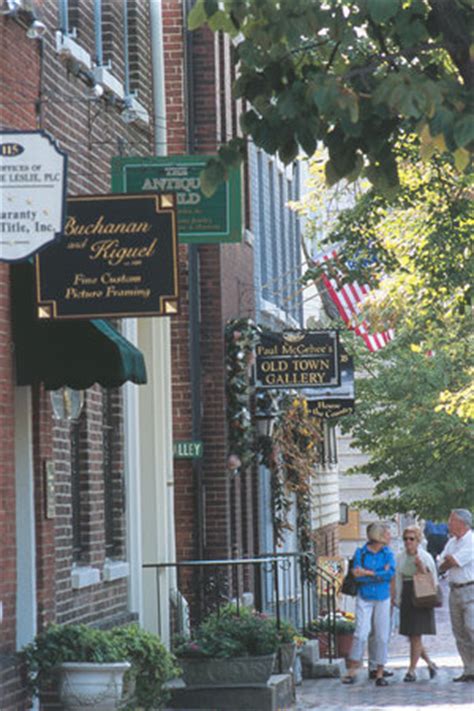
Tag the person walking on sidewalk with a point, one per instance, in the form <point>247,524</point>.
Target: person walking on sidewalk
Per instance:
<point>372,644</point>
<point>457,559</point>
<point>374,567</point>
<point>414,621</point>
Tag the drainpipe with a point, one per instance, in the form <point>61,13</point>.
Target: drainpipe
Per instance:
<point>194,302</point>
<point>158,74</point>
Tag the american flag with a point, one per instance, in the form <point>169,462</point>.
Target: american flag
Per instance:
<point>347,296</point>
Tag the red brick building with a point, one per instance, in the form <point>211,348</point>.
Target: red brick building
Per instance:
<point>72,564</point>
<point>201,115</point>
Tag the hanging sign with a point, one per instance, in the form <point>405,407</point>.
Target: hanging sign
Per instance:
<point>335,402</point>
<point>298,359</point>
<point>118,257</point>
<point>32,193</point>
<point>201,219</point>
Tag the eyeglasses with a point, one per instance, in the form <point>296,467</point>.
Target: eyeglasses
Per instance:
<point>409,538</point>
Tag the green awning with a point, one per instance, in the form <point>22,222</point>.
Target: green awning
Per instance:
<point>73,353</point>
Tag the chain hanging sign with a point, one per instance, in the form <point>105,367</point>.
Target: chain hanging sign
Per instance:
<point>118,257</point>
<point>32,193</point>
<point>298,359</point>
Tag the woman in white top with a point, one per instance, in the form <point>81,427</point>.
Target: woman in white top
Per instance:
<point>414,621</point>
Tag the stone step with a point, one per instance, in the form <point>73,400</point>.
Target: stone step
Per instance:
<point>323,669</point>
<point>277,695</point>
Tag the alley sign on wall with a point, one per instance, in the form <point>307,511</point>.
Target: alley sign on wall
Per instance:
<point>298,359</point>
<point>32,193</point>
<point>118,257</point>
<point>200,219</point>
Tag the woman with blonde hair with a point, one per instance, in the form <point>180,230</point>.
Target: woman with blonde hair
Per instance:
<point>414,621</point>
<point>373,569</point>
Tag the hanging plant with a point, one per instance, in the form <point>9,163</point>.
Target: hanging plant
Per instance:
<point>291,455</point>
<point>241,337</point>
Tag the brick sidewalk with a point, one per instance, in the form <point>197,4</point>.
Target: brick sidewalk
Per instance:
<point>440,694</point>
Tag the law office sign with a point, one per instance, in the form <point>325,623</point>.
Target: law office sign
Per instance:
<point>32,193</point>
<point>118,256</point>
<point>201,219</point>
<point>298,359</point>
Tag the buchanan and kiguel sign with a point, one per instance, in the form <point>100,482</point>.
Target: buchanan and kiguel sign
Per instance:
<point>118,256</point>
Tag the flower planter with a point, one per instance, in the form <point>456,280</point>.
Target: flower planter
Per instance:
<point>234,671</point>
<point>343,643</point>
<point>94,686</point>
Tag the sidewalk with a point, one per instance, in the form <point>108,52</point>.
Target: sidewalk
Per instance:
<point>439,694</point>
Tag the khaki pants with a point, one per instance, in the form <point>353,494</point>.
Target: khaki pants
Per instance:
<point>461,608</point>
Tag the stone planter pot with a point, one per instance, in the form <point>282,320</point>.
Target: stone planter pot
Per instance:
<point>93,686</point>
<point>235,671</point>
<point>288,654</point>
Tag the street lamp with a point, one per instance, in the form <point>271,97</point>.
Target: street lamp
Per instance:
<point>266,414</point>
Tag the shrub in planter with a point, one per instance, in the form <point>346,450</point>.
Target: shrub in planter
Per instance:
<point>229,648</point>
<point>151,664</point>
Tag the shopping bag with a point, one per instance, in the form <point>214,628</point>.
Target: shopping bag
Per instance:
<point>424,590</point>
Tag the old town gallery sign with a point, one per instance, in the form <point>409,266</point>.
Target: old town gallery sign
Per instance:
<point>118,256</point>
<point>298,359</point>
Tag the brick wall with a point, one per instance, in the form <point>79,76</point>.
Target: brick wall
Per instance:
<point>225,292</point>
<point>19,79</point>
<point>91,131</point>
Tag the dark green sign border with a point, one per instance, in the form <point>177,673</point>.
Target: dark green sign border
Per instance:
<point>233,192</point>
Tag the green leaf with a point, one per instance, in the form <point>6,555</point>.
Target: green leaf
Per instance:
<point>306,139</point>
<point>213,174</point>
<point>288,151</point>
<point>211,7</point>
<point>198,16</point>
<point>332,176</point>
<point>221,22</point>
<point>383,10</point>
<point>464,130</point>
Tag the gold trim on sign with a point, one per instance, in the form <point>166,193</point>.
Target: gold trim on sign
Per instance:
<point>167,201</point>
<point>44,311</point>
<point>170,306</point>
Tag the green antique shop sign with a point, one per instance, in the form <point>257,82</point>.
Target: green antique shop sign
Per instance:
<point>200,219</point>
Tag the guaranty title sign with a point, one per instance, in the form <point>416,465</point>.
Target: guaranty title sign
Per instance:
<point>118,257</point>
<point>298,359</point>
<point>32,193</point>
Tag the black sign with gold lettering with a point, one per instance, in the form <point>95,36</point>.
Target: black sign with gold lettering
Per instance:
<point>336,401</point>
<point>118,256</point>
<point>298,359</point>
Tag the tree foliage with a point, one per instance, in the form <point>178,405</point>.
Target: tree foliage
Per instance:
<point>415,402</point>
<point>353,75</point>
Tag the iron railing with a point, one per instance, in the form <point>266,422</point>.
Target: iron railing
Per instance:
<point>290,586</point>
